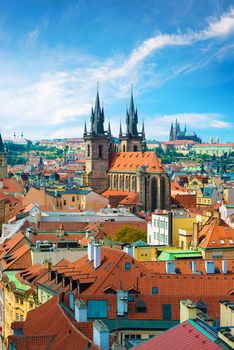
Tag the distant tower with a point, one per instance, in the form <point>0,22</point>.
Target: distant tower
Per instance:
<point>22,135</point>
<point>41,164</point>
<point>3,160</point>
<point>211,140</point>
<point>171,132</point>
<point>217,140</point>
<point>132,141</point>
<point>98,144</point>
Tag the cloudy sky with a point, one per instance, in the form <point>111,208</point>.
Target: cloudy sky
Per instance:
<point>179,56</point>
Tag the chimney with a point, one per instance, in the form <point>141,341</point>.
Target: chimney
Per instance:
<point>122,302</point>
<point>90,251</point>
<point>97,256</point>
<point>194,266</point>
<point>196,230</point>
<point>209,266</point>
<point>101,335</point>
<point>217,217</point>
<point>71,301</point>
<point>170,267</point>
<point>224,266</point>
<point>38,244</point>
<point>129,250</point>
<point>80,311</point>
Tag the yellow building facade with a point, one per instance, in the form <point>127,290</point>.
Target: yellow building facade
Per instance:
<point>19,298</point>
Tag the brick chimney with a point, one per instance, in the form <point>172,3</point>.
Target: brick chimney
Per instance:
<point>217,216</point>
<point>196,229</point>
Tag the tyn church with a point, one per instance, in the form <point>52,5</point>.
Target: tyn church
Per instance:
<point>126,174</point>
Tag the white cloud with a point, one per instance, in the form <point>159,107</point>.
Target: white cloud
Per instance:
<point>221,27</point>
<point>64,96</point>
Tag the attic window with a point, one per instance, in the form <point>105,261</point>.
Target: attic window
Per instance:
<point>141,306</point>
<point>222,241</point>
<point>231,241</point>
<point>127,266</point>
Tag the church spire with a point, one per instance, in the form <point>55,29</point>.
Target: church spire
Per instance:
<point>132,117</point>
<point>85,129</point>
<point>97,117</point>
<point>2,149</point>
<point>120,130</point>
<point>109,129</point>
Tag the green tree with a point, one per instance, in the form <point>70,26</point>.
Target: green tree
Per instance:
<point>129,234</point>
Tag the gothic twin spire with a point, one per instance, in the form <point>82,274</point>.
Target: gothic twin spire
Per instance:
<point>97,120</point>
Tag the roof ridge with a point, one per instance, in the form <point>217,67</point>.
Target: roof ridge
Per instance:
<point>110,271</point>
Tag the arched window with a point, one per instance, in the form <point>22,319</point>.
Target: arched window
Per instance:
<point>127,183</point>
<point>88,151</point>
<point>100,149</point>
<point>135,148</point>
<point>121,182</point>
<point>133,183</point>
<point>124,148</point>
<point>115,181</point>
<point>154,194</point>
<point>163,192</point>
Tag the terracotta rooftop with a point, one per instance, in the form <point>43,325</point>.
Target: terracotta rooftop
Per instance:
<point>187,335</point>
<point>51,326</point>
<point>216,234</point>
<point>129,161</point>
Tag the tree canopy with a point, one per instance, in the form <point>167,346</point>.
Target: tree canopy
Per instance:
<point>130,234</point>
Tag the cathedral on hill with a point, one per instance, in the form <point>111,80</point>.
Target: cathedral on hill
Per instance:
<point>177,134</point>
<point>125,174</point>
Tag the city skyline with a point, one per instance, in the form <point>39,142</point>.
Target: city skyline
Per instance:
<point>179,58</point>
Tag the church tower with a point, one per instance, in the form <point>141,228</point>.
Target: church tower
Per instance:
<point>3,160</point>
<point>98,144</point>
<point>132,140</point>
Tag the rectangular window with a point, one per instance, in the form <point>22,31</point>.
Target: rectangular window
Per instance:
<point>64,202</point>
<point>127,266</point>
<point>31,304</point>
<point>154,290</point>
<point>97,308</point>
<point>21,317</point>
<point>130,298</point>
<point>21,301</point>
<point>17,317</point>
<point>166,311</point>
<point>17,300</point>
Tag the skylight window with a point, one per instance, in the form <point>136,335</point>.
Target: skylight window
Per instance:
<point>222,241</point>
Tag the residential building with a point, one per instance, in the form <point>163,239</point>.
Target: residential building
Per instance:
<point>142,299</point>
<point>213,149</point>
<point>163,229</point>
<point>215,239</point>
<point>20,295</point>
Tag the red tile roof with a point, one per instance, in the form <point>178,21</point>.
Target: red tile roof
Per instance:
<point>185,336</point>
<point>216,234</point>
<point>121,197</point>
<point>50,320</point>
<point>129,161</point>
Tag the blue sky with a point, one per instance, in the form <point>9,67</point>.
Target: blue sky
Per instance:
<point>179,55</point>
